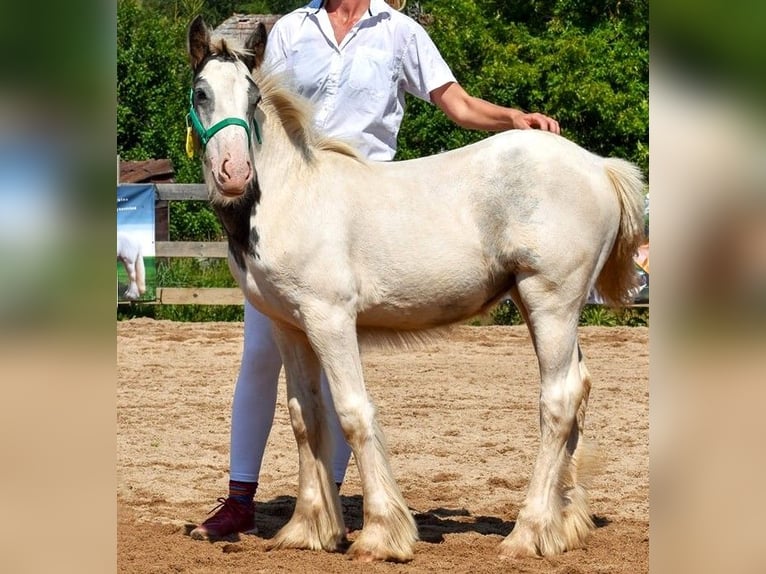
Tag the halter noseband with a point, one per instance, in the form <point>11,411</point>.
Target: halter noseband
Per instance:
<point>206,134</point>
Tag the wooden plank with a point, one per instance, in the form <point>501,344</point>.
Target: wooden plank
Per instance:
<point>182,191</point>
<point>161,220</point>
<point>146,171</point>
<point>200,296</point>
<point>214,249</point>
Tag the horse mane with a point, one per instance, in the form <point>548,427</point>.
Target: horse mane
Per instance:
<point>229,48</point>
<point>296,114</point>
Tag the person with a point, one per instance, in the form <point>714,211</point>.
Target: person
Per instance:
<point>354,59</point>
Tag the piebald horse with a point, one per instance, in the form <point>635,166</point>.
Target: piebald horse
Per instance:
<point>332,247</point>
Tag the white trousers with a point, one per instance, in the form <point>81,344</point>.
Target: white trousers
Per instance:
<point>255,398</point>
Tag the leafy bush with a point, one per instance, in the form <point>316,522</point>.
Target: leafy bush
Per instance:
<point>506,313</point>
<point>153,80</point>
<point>193,221</point>
<point>598,315</point>
<point>585,64</point>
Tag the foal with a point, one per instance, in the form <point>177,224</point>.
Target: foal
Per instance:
<point>331,246</point>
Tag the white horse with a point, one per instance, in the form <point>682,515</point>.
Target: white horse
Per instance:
<point>331,246</point>
<point>129,252</point>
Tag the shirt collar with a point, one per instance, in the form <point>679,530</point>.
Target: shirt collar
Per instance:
<point>376,7</point>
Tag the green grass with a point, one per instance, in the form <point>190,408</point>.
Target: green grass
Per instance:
<point>188,273</point>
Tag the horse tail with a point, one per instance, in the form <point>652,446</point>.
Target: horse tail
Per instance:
<point>618,276</point>
<point>140,272</point>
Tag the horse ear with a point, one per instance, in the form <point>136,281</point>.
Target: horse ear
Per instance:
<point>256,45</point>
<point>197,41</point>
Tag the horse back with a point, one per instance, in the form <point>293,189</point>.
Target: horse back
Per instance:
<point>453,231</point>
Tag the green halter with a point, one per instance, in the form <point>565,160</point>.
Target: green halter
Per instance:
<point>206,134</point>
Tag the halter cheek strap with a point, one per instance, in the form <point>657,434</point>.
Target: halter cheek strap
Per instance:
<point>206,134</point>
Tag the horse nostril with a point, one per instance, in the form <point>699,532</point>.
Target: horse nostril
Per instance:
<point>225,170</point>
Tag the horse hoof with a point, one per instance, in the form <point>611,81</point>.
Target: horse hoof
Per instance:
<point>518,545</point>
<point>367,553</point>
<point>365,557</point>
<point>517,553</point>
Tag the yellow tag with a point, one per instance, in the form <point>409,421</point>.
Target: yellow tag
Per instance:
<point>189,142</point>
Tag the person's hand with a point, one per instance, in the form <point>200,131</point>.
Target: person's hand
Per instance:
<point>536,121</point>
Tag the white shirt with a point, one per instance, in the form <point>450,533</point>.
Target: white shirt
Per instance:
<point>358,86</point>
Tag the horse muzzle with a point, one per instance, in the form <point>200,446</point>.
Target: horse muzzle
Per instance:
<point>233,176</point>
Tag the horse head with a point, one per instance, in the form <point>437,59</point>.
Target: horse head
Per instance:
<point>223,100</point>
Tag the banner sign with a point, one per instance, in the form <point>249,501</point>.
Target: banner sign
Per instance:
<point>136,272</point>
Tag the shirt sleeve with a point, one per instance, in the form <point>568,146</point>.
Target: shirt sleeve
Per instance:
<point>275,55</point>
<point>423,67</point>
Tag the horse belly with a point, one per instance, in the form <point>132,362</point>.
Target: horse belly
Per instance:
<point>431,300</point>
<point>418,272</point>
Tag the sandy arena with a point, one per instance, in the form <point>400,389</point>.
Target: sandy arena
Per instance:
<point>461,422</point>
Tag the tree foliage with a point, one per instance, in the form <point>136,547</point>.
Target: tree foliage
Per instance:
<point>153,81</point>
<point>584,62</point>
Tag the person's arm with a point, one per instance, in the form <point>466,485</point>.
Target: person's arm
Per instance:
<point>474,113</point>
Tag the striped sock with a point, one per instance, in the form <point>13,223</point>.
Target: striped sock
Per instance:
<point>243,492</point>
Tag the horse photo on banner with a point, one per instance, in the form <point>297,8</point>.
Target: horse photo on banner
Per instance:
<point>136,272</point>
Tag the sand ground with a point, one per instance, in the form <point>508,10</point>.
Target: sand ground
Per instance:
<point>460,418</point>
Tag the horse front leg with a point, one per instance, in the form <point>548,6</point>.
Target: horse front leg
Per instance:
<point>555,516</point>
<point>132,291</point>
<point>389,531</point>
<point>317,521</point>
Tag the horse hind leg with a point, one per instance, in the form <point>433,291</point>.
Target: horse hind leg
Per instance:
<point>582,465</point>
<point>317,521</point>
<point>555,515</point>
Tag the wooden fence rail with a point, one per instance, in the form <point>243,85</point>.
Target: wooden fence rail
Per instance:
<point>195,249</point>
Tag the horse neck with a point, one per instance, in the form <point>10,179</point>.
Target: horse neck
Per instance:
<point>281,156</point>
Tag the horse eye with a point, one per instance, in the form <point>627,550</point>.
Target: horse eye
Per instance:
<point>200,96</point>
